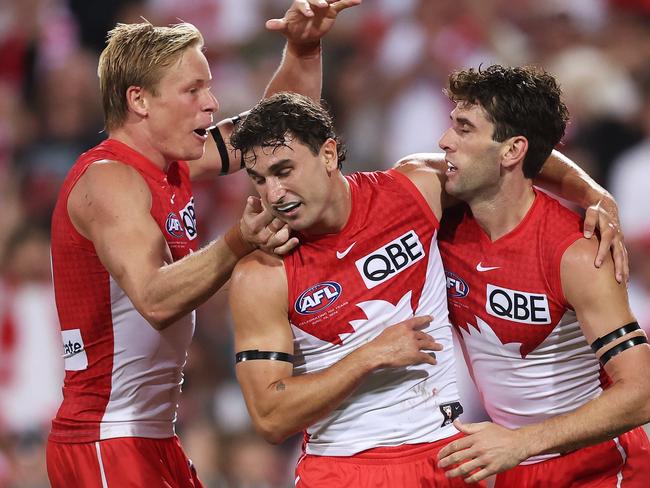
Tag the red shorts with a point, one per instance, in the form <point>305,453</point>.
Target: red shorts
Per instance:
<point>407,466</point>
<point>124,462</point>
<point>612,464</point>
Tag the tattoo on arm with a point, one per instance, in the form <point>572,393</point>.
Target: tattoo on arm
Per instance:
<point>280,386</point>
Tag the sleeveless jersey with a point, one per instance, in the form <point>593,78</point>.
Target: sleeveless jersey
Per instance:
<point>521,338</point>
<point>123,377</point>
<point>344,289</point>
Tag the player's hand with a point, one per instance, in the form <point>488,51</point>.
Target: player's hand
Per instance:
<point>604,217</point>
<point>404,344</point>
<point>487,449</point>
<point>263,231</point>
<point>307,21</point>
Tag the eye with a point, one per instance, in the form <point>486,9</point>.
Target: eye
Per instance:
<point>284,172</point>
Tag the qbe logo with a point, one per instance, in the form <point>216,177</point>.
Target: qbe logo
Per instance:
<point>318,297</point>
<point>74,352</point>
<point>456,286</point>
<point>188,216</point>
<point>173,225</point>
<point>517,306</point>
<point>390,260</point>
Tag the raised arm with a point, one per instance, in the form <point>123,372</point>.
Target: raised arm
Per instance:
<point>279,403</point>
<point>304,24</point>
<point>602,307</point>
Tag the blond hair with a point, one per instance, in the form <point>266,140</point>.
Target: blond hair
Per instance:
<point>138,55</point>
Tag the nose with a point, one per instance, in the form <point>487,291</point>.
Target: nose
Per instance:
<point>445,142</point>
<point>275,191</point>
<point>211,103</point>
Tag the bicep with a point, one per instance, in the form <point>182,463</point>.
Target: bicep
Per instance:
<point>600,302</point>
<point>258,299</point>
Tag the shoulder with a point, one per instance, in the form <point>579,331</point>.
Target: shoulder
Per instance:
<point>106,191</point>
<point>260,271</point>
<point>427,172</point>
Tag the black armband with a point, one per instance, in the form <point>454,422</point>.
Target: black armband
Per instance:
<point>253,354</point>
<point>619,348</point>
<point>223,150</point>
<point>612,336</point>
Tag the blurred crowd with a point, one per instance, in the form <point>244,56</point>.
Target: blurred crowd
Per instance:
<point>386,64</point>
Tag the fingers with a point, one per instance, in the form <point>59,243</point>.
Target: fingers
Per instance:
<point>465,469</point>
<point>591,218</point>
<point>450,454</point>
<point>276,25</point>
<point>418,323</point>
<point>621,261</point>
<point>286,247</point>
<point>343,4</point>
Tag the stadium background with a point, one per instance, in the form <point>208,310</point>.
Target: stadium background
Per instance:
<point>385,65</point>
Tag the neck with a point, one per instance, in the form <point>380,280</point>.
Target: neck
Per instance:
<point>337,210</point>
<point>140,144</point>
<point>500,213</point>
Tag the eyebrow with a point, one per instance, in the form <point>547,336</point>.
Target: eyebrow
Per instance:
<point>275,167</point>
<point>463,121</point>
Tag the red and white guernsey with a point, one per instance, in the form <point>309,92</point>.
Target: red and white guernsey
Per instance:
<point>123,377</point>
<point>383,267</point>
<point>521,338</point>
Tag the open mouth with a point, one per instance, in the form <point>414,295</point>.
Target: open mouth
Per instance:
<point>203,133</point>
<point>451,168</point>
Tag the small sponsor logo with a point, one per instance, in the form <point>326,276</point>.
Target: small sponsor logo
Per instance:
<point>341,255</point>
<point>482,269</point>
<point>173,225</point>
<point>74,352</point>
<point>450,412</point>
<point>517,306</point>
<point>390,260</point>
<point>188,216</point>
<point>317,298</point>
<point>456,286</point>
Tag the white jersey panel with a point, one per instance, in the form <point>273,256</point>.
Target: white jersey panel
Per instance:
<point>147,372</point>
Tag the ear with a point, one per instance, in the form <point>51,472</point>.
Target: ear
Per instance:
<point>136,101</point>
<point>329,155</point>
<point>515,150</point>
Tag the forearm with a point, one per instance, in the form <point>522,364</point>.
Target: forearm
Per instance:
<point>292,404</point>
<point>619,409</point>
<point>300,71</point>
<point>178,288</point>
<point>562,177</point>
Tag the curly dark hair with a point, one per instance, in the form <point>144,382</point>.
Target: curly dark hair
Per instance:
<point>282,117</point>
<point>522,101</point>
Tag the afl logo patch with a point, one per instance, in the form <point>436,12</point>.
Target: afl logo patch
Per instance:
<point>173,225</point>
<point>456,286</point>
<point>318,297</point>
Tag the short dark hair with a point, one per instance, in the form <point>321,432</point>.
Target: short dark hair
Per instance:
<point>285,114</point>
<point>521,101</point>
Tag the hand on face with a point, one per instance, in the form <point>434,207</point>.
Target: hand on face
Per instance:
<point>262,230</point>
<point>307,21</point>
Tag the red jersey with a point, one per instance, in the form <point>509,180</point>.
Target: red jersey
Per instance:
<point>521,338</point>
<point>123,377</point>
<point>383,267</point>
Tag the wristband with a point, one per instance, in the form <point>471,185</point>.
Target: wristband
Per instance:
<point>236,242</point>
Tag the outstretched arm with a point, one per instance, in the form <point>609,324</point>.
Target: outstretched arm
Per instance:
<point>601,307</point>
<point>279,403</point>
<point>304,24</point>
